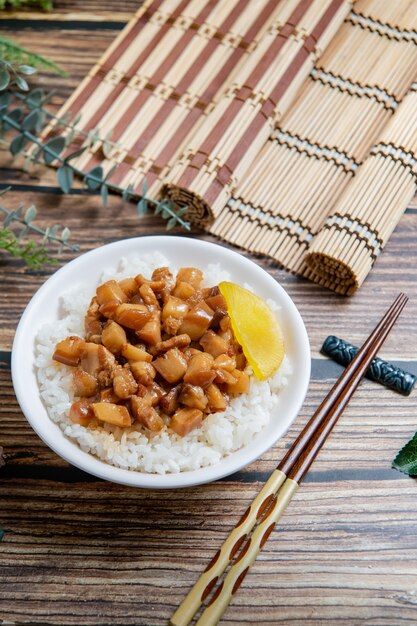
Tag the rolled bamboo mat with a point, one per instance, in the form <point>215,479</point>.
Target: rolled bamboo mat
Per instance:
<point>314,153</point>
<point>222,150</point>
<point>362,220</point>
<point>167,70</point>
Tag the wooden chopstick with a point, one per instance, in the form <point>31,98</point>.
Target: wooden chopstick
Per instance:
<point>268,506</point>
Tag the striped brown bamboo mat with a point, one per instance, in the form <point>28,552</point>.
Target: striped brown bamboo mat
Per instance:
<point>302,188</point>
<point>172,69</point>
<point>287,127</point>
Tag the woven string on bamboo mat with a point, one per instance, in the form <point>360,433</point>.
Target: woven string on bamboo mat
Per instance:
<point>172,67</point>
<point>307,201</point>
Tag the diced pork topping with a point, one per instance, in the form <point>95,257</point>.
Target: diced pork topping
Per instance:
<point>158,352</point>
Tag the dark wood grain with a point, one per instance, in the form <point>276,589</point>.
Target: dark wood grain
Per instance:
<point>83,552</point>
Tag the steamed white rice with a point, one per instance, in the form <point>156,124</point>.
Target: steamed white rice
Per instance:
<point>135,448</point>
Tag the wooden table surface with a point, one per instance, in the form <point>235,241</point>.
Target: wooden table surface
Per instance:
<point>80,551</point>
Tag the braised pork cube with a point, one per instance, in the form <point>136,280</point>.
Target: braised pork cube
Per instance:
<point>132,316</point>
<point>149,297</point>
<point>217,401</point>
<point>109,296</point>
<point>225,323</point>
<point>85,385</point>
<point>115,414</point>
<point>216,302</point>
<point>173,312</point>
<point>146,414</point>
<point>224,377</point>
<point>156,285</point>
<point>242,383</point>
<point>185,420</point>
<point>124,384</point>
<point>169,402</point>
<point>179,341</point>
<point>240,358</point>
<point>183,290</point>
<point>135,353</point>
<point>164,274</point>
<point>197,321</point>
<point>172,365</point>
<point>190,275</point>
<point>219,314</point>
<point>213,343</point>
<point>154,394</point>
<point>151,331</point>
<point>93,320</point>
<point>193,397</point>
<point>113,336</point>
<point>68,351</point>
<point>81,411</point>
<point>225,362</point>
<point>129,286</point>
<point>143,372</point>
<point>108,395</point>
<point>96,360</point>
<point>199,371</point>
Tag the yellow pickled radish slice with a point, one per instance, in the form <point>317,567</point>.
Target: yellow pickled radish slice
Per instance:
<point>256,328</point>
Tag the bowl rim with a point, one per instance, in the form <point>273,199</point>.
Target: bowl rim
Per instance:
<point>101,469</point>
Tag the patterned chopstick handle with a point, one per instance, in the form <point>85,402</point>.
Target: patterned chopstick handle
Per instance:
<point>380,371</point>
<point>247,556</point>
<point>201,590</point>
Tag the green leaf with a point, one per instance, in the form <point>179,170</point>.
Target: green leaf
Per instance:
<point>144,187</point>
<point>56,146</point>
<point>128,192</point>
<point>5,98</point>
<point>65,177</point>
<point>104,195</point>
<point>142,207</point>
<point>53,231</point>
<point>34,98</point>
<point>32,121</point>
<point>30,214</point>
<point>406,459</point>
<point>28,70</point>
<point>17,144</point>
<point>4,79</point>
<point>74,154</point>
<point>94,178</point>
<point>21,83</point>
<point>66,233</point>
<point>15,116</point>
<point>171,223</point>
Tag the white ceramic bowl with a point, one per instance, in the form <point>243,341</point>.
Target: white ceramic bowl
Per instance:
<point>87,269</point>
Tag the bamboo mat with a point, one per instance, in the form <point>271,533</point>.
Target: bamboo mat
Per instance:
<point>197,97</point>
<point>174,61</point>
<point>294,188</point>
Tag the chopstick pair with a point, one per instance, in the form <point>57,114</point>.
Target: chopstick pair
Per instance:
<point>251,532</point>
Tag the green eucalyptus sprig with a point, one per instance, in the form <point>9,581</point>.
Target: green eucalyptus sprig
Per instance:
<point>17,4</point>
<point>15,54</point>
<point>27,125</point>
<point>33,253</point>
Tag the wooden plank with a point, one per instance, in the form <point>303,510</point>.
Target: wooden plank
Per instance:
<point>324,312</point>
<point>80,551</point>
<point>72,10</point>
